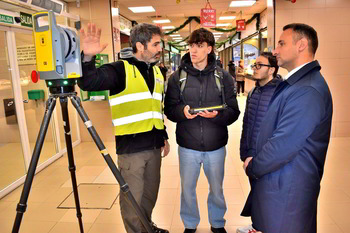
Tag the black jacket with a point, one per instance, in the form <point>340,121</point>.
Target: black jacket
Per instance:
<point>201,134</point>
<point>163,70</point>
<point>112,77</point>
<point>232,69</point>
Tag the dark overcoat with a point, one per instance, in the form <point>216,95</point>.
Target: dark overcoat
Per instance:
<point>292,148</point>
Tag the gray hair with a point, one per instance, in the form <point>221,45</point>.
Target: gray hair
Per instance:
<point>143,33</point>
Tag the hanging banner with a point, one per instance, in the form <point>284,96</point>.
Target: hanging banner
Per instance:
<point>240,25</point>
<point>208,16</point>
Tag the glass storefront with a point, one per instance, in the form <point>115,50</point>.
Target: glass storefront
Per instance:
<point>21,112</point>
<point>12,162</point>
<point>34,109</point>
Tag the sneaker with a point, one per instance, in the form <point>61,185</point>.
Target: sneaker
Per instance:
<point>246,229</point>
<point>218,230</point>
<point>187,230</point>
<point>158,230</point>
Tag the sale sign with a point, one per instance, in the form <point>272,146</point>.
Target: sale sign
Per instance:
<point>208,17</point>
<point>240,25</point>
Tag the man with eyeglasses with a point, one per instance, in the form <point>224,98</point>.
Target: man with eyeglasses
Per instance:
<point>265,73</point>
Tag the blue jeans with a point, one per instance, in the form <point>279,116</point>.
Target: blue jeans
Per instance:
<point>214,167</point>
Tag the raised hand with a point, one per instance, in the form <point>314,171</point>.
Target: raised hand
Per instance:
<point>91,40</point>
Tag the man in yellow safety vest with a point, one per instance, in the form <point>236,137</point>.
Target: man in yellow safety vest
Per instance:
<point>136,88</point>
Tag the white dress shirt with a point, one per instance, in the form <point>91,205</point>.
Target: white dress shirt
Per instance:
<point>294,71</point>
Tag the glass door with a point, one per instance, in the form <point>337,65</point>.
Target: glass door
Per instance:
<point>34,96</point>
<point>12,162</point>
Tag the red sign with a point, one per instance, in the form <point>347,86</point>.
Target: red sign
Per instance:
<point>208,17</point>
<point>240,25</point>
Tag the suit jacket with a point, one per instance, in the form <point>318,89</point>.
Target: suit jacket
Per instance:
<point>292,147</point>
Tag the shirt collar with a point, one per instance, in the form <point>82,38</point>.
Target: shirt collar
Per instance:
<point>295,70</point>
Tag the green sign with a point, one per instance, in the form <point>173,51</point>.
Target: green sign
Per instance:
<point>26,20</point>
<point>6,19</point>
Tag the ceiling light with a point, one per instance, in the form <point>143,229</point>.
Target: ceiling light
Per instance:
<point>217,36</point>
<point>242,3</point>
<point>115,11</point>
<point>223,24</point>
<point>218,33</point>
<point>161,21</point>
<point>168,27</point>
<point>142,9</point>
<point>175,35</point>
<point>227,17</point>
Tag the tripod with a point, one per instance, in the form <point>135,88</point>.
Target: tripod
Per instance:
<point>63,93</point>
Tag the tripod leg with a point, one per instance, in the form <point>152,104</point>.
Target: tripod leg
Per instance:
<point>67,134</point>
<point>123,186</point>
<point>22,205</point>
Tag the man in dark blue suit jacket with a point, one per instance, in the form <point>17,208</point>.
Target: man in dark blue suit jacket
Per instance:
<point>292,144</point>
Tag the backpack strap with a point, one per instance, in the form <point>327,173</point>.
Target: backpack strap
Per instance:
<point>182,80</point>
<point>219,76</point>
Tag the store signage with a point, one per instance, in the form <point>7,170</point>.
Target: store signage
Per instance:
<point>240,25</point>
<point>26,55</point>
<point>26,20</point>
<point>6,19</point>
<point>125,25</point>
<point>208,17</point>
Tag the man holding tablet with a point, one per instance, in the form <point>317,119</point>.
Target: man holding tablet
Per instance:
<point>201,99</point>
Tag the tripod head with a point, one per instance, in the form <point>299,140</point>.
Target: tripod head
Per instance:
<point>61,86</point>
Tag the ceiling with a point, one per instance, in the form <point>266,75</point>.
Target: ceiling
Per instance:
<point>178,13</point>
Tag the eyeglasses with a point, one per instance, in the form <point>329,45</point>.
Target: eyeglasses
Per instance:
<point>258,66</point>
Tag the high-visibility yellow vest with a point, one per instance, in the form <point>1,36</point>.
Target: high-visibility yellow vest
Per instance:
<point>136,110</point>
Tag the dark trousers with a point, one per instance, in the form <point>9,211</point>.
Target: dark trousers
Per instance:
<point>240,85</point>
<point>141,171</point>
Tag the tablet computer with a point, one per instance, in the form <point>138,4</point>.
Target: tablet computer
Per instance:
<point>209,109</point>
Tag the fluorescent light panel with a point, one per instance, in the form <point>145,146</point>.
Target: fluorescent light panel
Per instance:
<point>115,11</point>
<point>175,35</point>
<point>227,17</point>
<point>168,27</point>
<point>142,9</point>
<point>242,3</point>
<point>161,21</point>
<point>218,33</point>
<point>223,24</point>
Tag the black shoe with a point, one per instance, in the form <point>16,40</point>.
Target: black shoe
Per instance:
<point>158,230</point>
<point>187,230</point>
<point>218,230</point>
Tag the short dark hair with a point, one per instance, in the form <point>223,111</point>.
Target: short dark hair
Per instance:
<point>304,30</point>
<point>202,35</point>
<point>143,33</point>
<point>272,61</point>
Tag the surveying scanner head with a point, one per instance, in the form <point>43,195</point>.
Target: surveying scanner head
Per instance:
<point>58,59</point>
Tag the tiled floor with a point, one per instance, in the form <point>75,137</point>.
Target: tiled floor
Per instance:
<point>52,186</point>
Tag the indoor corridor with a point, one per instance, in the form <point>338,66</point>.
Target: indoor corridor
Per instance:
<point>51,209</point>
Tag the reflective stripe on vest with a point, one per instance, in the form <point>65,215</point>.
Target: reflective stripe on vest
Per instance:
<point>135,109</point>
